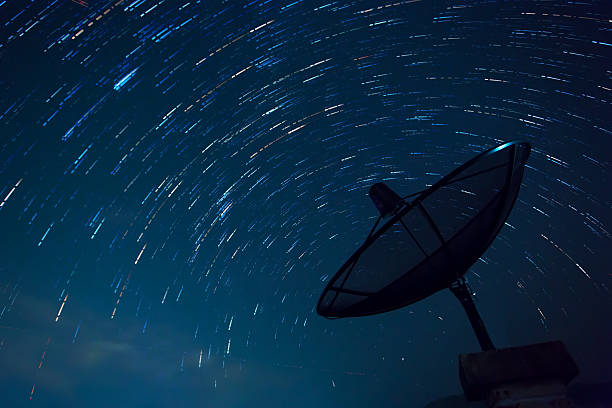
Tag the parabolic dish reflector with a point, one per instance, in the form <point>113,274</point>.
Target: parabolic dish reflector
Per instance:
<point>430,242</point>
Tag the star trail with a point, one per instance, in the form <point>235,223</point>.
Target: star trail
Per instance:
<point>179,180</point>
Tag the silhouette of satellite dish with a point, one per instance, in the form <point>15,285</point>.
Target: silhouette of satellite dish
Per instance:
<point>429,243</point>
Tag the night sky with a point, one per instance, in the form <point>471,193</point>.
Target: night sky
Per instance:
<point>179,180</point>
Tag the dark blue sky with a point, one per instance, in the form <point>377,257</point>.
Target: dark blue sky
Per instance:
<point>178,180</point>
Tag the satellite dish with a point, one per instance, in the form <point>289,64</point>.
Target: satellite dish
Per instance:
<point>429,243</point>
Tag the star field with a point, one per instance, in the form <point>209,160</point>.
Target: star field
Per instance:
<point>179,180</point>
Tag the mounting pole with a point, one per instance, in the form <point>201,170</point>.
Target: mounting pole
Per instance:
<point>462,292</point>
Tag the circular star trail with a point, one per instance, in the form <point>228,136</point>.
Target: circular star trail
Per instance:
<point>179,180</point>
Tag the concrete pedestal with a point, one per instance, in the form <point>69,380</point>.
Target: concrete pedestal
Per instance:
<point>533,376</point>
